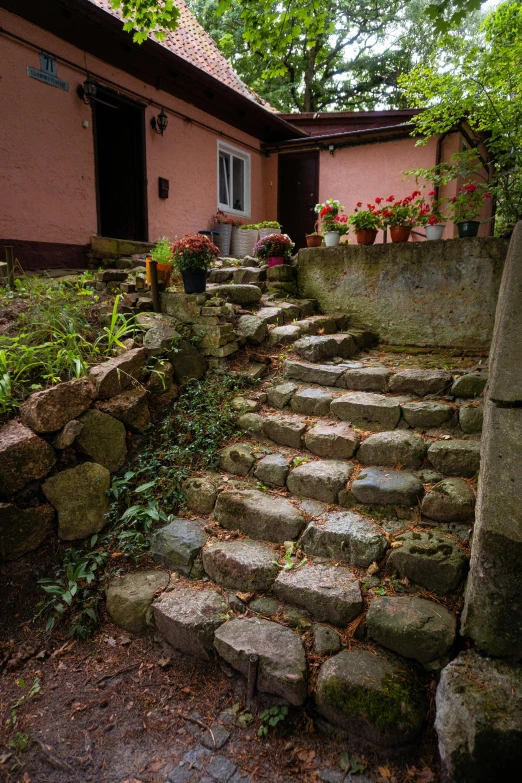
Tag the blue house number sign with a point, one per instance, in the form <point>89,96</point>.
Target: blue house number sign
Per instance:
<point>48,72</point>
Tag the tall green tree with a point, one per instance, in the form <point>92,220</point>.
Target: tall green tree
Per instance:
<point>481,83</point>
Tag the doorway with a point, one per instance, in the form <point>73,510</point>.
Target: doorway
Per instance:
<point>119,137</point>
<point>298,193</point>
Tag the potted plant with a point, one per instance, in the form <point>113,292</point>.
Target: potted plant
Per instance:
<point>268,227</point>
<point>430,216</point>
<point>248,236</point>
<point>162,254</point>
<point>193,255</point>
<point>466,207</point>
<point>366,223</point>
<point>400,216</point>
<point>328,211</point>
<point>274,249</point>
<point>224,224</point>
<point>315,239</point>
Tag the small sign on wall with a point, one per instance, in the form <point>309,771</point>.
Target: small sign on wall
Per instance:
<point>48,72</point>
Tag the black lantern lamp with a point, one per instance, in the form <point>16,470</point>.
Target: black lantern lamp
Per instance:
<point>87,90</point>
<point>160,122</point>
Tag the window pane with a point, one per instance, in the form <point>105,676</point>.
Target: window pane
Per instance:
<point>238,183</point>
<point>224,179</point>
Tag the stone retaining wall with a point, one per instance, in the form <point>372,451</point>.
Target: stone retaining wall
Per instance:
<point>414,293</point>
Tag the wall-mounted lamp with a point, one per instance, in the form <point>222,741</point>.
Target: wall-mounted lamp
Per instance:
<point>331,148</point>
<point>87,91</point>
<point>159,123</point>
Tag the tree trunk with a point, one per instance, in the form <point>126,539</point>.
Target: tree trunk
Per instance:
<point>308,80</point>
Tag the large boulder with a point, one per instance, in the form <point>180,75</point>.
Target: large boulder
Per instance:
<point>177,544</point>
<point>420,382</point>
<point>130,407</point>
<point>479,719</point>
<point>239,294</point>
<point>471,384</point>
<point>250,566</point>
<point>118,374</point>
<point>412,627</point>
<point>372,696</point>
<point>451,500</point>
<point>129,598</point>
<point>330,593</point>
<point>393,448</point>
<point>373,412</point>
<point>259,515</point>
<point>103,438</point>
<point>334,441</point>
<point>50,409</point>
<point>23,529</point>
<point>430,559</point>
<point>24,457</point>
<point>188,617</point>
<point>281,656</point>
<point>345,537</point>
<point>321,480</point>
<point>378,486</point>
<point>187,361</point>
<point>455,457</point>
<point>160,338</point>
<point>79,495</point>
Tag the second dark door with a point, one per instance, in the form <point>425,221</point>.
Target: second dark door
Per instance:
<point>298,192</point>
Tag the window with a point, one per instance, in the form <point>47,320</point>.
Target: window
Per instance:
<point>233,180</point>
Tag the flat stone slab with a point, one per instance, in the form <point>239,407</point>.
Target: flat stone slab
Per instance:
<point>346,537</point>
<point>368,379</point>
<point>311,402</point>
<point>378,486</point>
<point>177,544</point>
<point>393,448</point>
<point>455,457</point>
<point>412,627</point>
<point>334,441</point>
<point>281,664</point>
<point>259,515</point>
<point>316,348</point>
<point>322,374</point>
<point>330,593</point>
<point>321,480</point>
<point>241,565</point>
<point>426,414</point>
<point>318,324</point>
<point>188,617</point>
<point>420,382</point>
<point>373,412</point>
<point>285,430</point>
<point>239,294</point>
<point>429,559</point>
<point>129,598</point>
<point>479,719</point>
<point>284,335</point>
<point>280,395</point>
<point>272,470</point>
<point>237,459</point>
<point>372,696</point>
<point>451,500</point>
<point>471,384</point>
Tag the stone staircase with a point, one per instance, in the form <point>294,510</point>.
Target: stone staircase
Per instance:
<point>327,556</point>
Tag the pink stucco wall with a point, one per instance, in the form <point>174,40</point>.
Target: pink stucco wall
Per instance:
<point>361,173</point>
<point>47,156</point>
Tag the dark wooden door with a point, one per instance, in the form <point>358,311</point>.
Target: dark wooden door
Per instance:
<point>120,167</point>
<point>298,193</point>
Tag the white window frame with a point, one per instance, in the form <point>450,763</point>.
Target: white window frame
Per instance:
<point>235,152</point>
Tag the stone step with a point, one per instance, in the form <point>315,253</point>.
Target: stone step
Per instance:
<point>188,617</point>
<point>321,480</point>
<point>246,565</point>
<point>429,559</point>
<point>259,515</point>
<point>346,537</point>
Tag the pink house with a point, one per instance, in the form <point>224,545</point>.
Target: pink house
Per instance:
<point>101,136</point>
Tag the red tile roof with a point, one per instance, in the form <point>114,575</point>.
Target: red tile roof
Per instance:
<point>192,43</point>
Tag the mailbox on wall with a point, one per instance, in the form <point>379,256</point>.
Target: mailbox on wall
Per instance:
<point>163,187</point>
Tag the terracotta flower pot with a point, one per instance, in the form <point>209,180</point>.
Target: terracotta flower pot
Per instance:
<point>275,261</point>
<point>164,272</point>
<point>400,233</point>
<point>314,240</point>
<point>366,236</point>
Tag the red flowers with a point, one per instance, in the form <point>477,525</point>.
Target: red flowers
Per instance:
<point>359,203</point>
<point>432,193</point>
<point>325,210</point>
<point>378,200</point>
<point>390,199</point>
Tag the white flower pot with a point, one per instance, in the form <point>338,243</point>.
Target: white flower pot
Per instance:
<point>331,238</point>
<point>234,244</point>
<point>436,231</point>
<point>223,240</point>
<point>247,239</point>
<point>266,232</point>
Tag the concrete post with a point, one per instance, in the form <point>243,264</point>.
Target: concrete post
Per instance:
<point>492,615</point>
